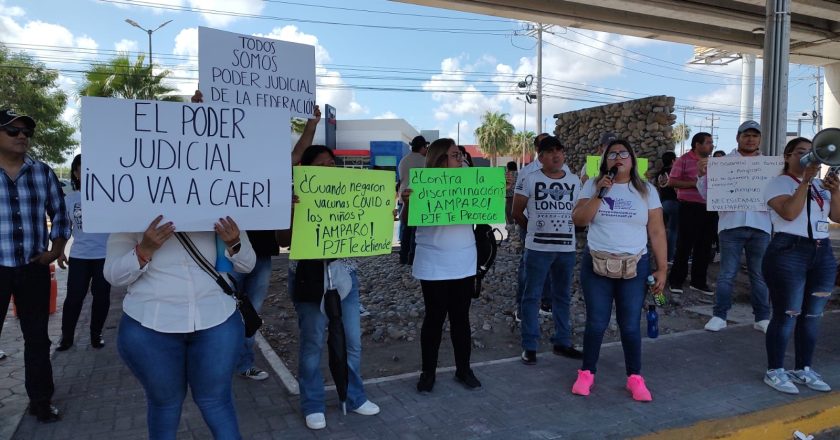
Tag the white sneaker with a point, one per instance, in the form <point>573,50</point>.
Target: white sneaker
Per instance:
<point>779,380</point>
<point>715,324</point>
<point>316,421</point>
<point>762,325</point>
<point>367,409</point>
<point>2,355</point>
<point>809,378</point>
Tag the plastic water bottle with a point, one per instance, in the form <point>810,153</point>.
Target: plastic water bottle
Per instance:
<point>652,322</point>
<point>658,296</point>
<point>222,263</point>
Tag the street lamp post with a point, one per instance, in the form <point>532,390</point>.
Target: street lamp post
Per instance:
<point>150,32</point>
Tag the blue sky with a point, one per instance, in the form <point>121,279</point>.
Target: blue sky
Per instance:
<point>435,68</point>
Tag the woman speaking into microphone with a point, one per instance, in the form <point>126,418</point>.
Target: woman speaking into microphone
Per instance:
<point>799,265</point>
<point>621,211</point>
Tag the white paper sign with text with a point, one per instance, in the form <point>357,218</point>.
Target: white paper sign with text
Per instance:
<point>737,183</point>
<point>192,163</point>
<point>238,69</point>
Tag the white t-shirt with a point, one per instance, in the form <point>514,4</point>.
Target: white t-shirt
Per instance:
<point>620,226</point>
<point>444,252</point>
<point>785,185</point>
<point>86,245</point>
<point>549,211</point>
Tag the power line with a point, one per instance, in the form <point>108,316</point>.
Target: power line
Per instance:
<point>404,14</point>
<point>151,4</point>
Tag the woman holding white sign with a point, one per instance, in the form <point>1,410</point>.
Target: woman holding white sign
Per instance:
<point>445,263</point>
<point>799,265</point>
<point>307,287</point>
<point>179,327</point>
<point>622,212</point>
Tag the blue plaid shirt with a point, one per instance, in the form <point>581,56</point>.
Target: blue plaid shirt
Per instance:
<point>25,203</point>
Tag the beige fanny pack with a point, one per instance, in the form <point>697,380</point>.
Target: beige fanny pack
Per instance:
<point>615,265</point>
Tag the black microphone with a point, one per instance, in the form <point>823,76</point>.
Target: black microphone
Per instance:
<point>610,175</point>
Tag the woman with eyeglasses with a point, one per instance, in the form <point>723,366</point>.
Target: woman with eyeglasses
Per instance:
<point>445,263</point>
<point>799,266</point>
<point>622,212</point>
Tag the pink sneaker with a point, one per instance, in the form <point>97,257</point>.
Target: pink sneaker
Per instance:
<point>584,383</point>
<point>636,386</point>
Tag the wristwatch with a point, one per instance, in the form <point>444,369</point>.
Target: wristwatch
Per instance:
<point>235,248</point>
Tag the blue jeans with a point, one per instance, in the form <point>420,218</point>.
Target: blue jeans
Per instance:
<point>255,286</point>
<point>520,277</point>
<point>165,363</point>
<point>800,273</point>
<point>312,324</point>
<point>671,212</point>
<point>538,266</point>
<point>629,296</point>
<point>754,242</point>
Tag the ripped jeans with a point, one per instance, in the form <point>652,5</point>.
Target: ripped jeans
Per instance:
<point>800,276</point>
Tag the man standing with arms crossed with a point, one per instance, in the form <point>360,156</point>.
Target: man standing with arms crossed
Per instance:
<point>696,224</point>
<point>29,191</point>
<point>738,231</point>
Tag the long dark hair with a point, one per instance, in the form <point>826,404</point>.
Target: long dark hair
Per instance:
<point>76,182</point>
<point>789,149</point>
<point>436,156</point>
<point>314,151</point>
<point>635,181</point>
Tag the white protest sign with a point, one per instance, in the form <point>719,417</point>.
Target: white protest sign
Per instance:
<point>238,69</point>
<point>192,163</point>
<point>737,183</point>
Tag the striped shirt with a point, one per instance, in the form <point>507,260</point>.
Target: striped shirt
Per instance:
<point>25,203</point>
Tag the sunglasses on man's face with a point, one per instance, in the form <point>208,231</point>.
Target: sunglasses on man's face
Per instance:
<point>15,131</point>
<point>622,154</point>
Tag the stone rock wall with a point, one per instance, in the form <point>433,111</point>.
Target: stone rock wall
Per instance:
<point>645,123</point>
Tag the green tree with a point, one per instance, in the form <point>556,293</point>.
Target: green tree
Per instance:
<point>680,133</point>
<point>521,144</point>
<point>30,88</point>
<point>122,78</point>
<point>298,124</point>
<point>494,134</point>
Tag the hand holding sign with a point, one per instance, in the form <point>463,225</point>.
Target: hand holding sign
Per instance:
<point>154,237</point>
<point>227,230</point>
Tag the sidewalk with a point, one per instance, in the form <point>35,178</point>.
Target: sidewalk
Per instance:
<point>694,376</point>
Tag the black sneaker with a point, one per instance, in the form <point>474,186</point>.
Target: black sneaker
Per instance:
<point>569,352</point>
<point>675,288</point>
<point>529,357</point>
<point>545,309</point>
<point>468,380</point>
<point>45,412</point>
<point>64,345</point>
<point>96,341</point>
<point>426,382</point>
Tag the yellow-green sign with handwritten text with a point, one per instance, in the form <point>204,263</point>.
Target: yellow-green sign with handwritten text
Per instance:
<point>456,196</point>
<point>342,212</point>
<point>593,165</point>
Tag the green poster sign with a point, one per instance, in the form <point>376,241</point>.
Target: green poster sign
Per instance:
<point>456,196</point>
<point>342,212</point>
<point>593,163</point>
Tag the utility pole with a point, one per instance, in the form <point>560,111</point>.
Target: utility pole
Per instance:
<point>682,145</point>
<point>459,133</point>
<point>712,126</point>
<point>818,99</point>
<point>539,78</point>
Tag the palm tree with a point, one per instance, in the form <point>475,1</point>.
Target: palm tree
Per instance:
<point>298,124</point>
<point>521,144</point>
<point>494,134</point>
<point>122,78</point>
<point>681,133</point>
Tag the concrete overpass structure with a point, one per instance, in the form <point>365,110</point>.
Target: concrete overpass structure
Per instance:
<point>735,26</point>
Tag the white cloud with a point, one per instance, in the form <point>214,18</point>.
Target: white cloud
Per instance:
<point>387,115</point>
<point>186,43</point>
<point>126,45</point>
<point>234,6</point>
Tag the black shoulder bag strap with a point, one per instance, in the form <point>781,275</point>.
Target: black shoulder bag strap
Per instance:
<point>202,262</point>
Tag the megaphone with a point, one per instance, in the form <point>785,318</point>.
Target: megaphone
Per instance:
<point>825,148</point>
